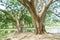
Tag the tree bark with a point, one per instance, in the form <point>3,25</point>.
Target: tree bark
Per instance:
<point>39,25</point>
<point>38,21</point>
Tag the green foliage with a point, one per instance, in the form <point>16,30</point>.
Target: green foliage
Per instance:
<point>49,12</point>
<point>27,19</point>
<point>15,7</point>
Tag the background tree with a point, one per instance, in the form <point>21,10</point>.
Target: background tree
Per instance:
<point>15,13</point>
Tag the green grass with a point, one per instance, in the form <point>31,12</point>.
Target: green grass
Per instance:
<point>2,37</point>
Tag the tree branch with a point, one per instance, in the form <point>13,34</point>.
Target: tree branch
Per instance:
<point>44,9</point>
<point>48,3</point>
<point>30,5</point>
<point>41,3</point>
<point>9,13</point>
<point>19,15</point>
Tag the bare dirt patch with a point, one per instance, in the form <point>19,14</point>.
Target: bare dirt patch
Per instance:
<point>33,36</point>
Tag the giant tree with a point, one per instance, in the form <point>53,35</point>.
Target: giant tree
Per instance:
<point>38,17</point>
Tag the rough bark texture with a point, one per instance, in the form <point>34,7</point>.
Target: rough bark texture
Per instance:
<point>40,28</point>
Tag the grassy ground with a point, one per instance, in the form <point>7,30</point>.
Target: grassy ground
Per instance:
<point>55,25</point>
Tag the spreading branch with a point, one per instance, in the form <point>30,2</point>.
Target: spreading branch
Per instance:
<point>48,3</point>
<point>41,3</point>
<point>45,7</point>
<point>9,13</point>
<point>30,5</point>
<point>19,15</point>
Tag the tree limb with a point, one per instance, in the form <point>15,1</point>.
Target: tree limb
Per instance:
<point>44,9</point>
<point>30,6</point>
<point>48,3</point>
<point>41,3</point>
<point>9,13</point>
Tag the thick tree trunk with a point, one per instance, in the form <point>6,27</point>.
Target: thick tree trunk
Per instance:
<point>38,21</point>
<point>18,26</point>
<point>39,25</point>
